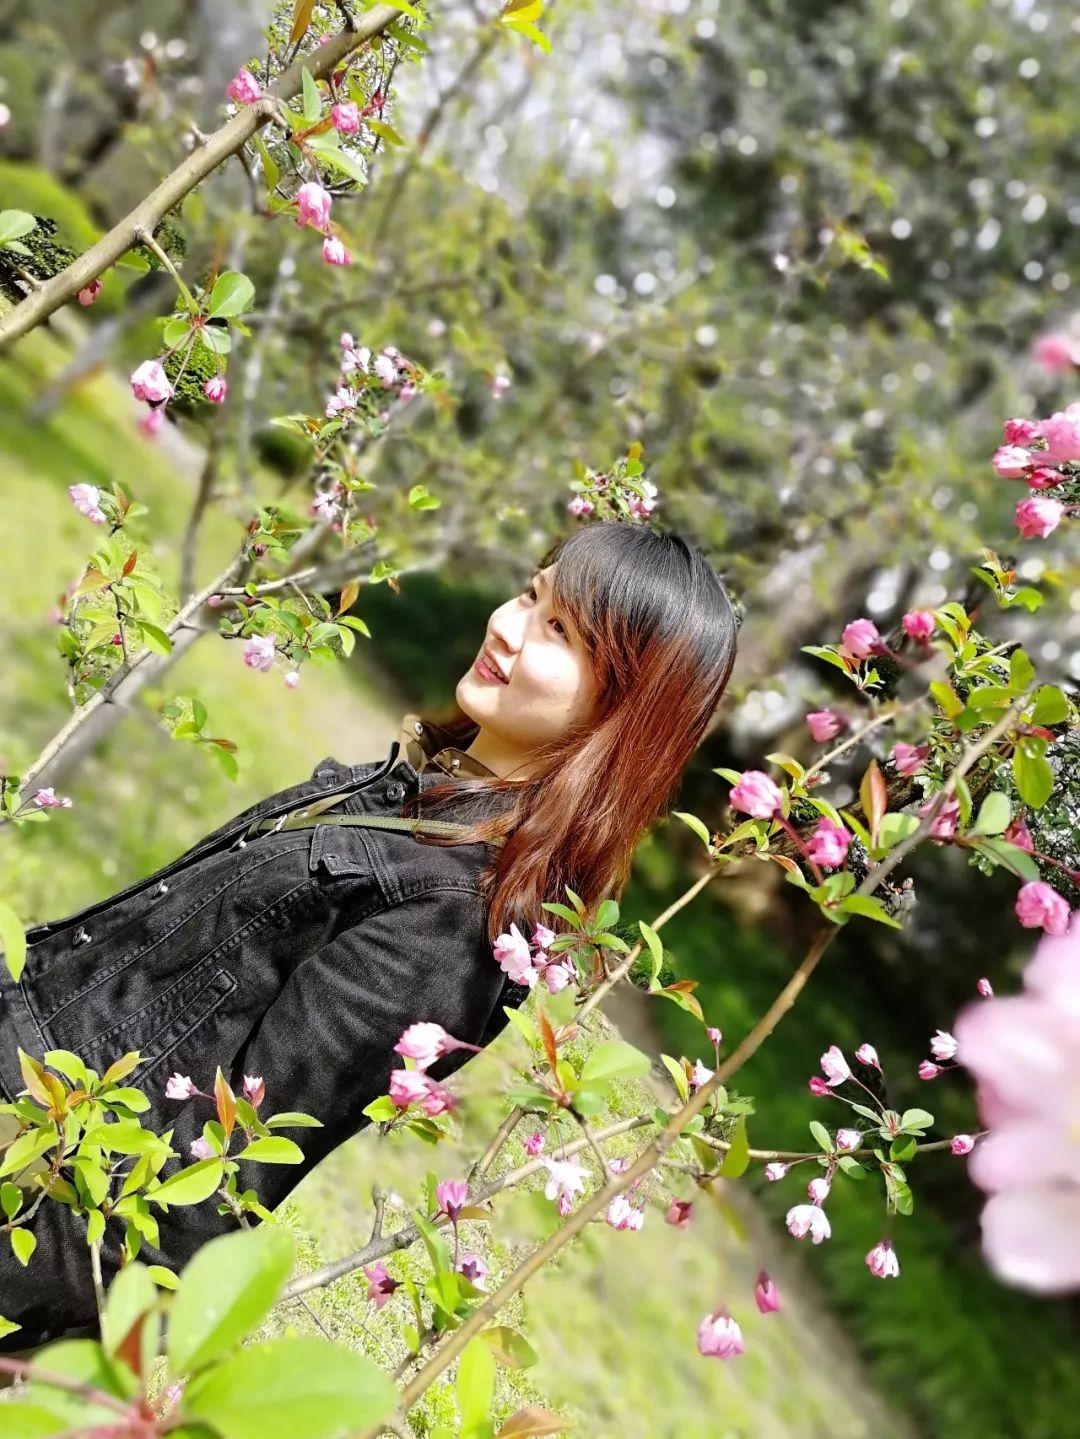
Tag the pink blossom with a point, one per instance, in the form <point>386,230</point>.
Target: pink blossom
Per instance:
<point>985,988</point>
<point>882,1261</point>
<point>345,117</point>
<point>1021,432</point>
<point>215,389</point>
<point>1038,906</point>
<point>715,1035</point>
<point>848,1139</point>
<point>437,1100</point>
<point>201,1149</point>
<point>542,937</point>
<point>579,505</point>
<point>719,1336</point>
<point>179,1086</point>
<point>1055,352</point>
<point>909,758</point>
<point>944,824</point>
<point>292,678</point>
<point>325,508</point>
<point>313,205</point>
<point>150,383</point>
<point>85,498</point>
<point>679,1213</point>
<point>473,1268</point>
<point>425,1042</point>
<point>566,1177</point>
<point>824,724</point>
<point>259,651</point>
<point>385,370</point>
<point>828,845</point>
<point>356,359</point>
<point>757,795</point>
<point>499,385</point>
<point>919,624</point>
<point>835,1066</point>
<point>817,1086</point>
<point>1062,435</point>
<point>1018,833</point>
<point>766,1294</point>
<point>943,1045</point>
<point>1044,477</point>
<point>557,975</point>
<point>334,251</point>
<point>775,1171</point>
<point>868,1055</point>
<point>47,799</point>
<point>818,1189</point>
<point>346,341</point>
<point>514,956</point>
<point>928,1070</point>
<point>621,1214</point>
<point>244,88</point>
<point>152,421</point>
<point>89,293</point>
<point>451,1195</point>
<point>700,1075</point>
<point>1011,462</point>
<point>380,1284</point>
<point>642,506</point>
<point>961,1144</point>
<point>409,1086</point>
<point>860,638</point>
<point>534,1143</point>
<point>804,1219</point>
<point>254,1089</point>
<point>1037,516</point>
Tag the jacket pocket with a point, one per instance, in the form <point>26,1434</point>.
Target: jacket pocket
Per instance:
<point>166,1021</point>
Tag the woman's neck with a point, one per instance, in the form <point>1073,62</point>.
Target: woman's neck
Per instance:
<point>506,761</point>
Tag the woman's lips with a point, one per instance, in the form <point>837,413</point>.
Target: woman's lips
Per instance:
<point>485,671</point>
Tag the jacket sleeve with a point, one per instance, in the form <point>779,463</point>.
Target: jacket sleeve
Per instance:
<point>326,1043</point>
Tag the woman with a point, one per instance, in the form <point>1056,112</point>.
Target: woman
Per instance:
<point>296,946</point>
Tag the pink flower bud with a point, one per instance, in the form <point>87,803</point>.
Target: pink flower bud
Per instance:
<point>313,205</point>
<point>201,1149</point>
<point>244,88</point>
<point>579,505</point>
<point>860,639</point>
<point>828,845</point>
<point>1038,906</point>
<point>345,117</point>
<point>679,1213</point>
<point>804,1219</point>
<point>835,1066</point>
<point>150,383</point>
<point>714,1034</point>
<point>882,1261</point>
<point>1038,516</point>
<point>919,624</point>
<point>867,1054</point>
<point>848,1139</point>
<point>1062,435</point>
<point>962,1144</point>
<point>909,758</point>
<point>928,1070</point>
<point>380,1285</point>
<point>152,421</point>
<point>818,1086</point>
<point>179,1086</point>
<point>1056,352</point>
<point>818,1189</point>
<point>824,724</point>
<point>719,1336</point>
<point>775,1171</point>
<point>1021,432</point>
<point>292,679</point>
<point>766,1294</point>
<point>215,389</point>
<point>943,1045</point>
<point>451,1196</point>
<point>985,988</point>
<point>1018,833</point>
<point>756,794</point>
<point>89,293</point>
<point>1011,462</point>
<point>254,1090</point>
<point>1044,477</point>
<point>334,251</point>
<point>534,1144</point>
<point>945,820</point>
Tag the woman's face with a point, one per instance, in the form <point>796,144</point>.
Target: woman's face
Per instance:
<point>530,683</point>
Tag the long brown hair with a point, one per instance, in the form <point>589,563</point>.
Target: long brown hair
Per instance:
<point>660,630</point>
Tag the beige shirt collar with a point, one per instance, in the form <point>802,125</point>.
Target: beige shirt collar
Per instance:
<point>427,746</point>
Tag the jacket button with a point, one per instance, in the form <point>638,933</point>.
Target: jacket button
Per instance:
<point>395,791</point>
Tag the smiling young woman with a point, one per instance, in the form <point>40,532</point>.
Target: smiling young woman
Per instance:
<point>295,944</point>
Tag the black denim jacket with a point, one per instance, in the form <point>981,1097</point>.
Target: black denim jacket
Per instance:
<point>298,956</point>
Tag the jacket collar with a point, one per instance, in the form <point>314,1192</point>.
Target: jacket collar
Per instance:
<point>429,747</point>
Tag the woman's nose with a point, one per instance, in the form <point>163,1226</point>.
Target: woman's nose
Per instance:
<point>506,628</point>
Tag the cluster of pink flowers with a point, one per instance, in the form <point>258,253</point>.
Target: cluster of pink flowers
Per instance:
<point>1045,454</point>
<point>720,1337</point>
<point>182,1086</point>
<point>617,492</point>
<point>47,798</point>
<point>313,202</point>
<point>943,1049</point>
<point>259,653</point>
<point>527,961</point>
<point>1024,1052</point>
<point>423,1043</point>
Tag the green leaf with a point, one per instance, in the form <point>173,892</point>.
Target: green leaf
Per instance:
<point>868,907</point>
<point>131,1295</point>
<point>915,1121</point>
<point>191,1185</point>
<point>388,133</point>
<point>614,1059</point>
<point>894,828</point>
<point>678,1075</point>
<point>994,814</point>
<point>511,1349</point>
<point>821,1136</point>
<point>13,938</point>
<point>28,1147</point>
<point>293,1119</point>
<point>1051,706</point>
<point>563,911</point>
<point>291,1387</point>
<point>127,1136</point>
<point>1032,773</point>
<point>419,499</point>
<point>228,1288</point>
<point>475,1389</point>
<point>1021,671</point>
<point>29,1421</point>
<point>737,1159</point>
<point>575,900</point>
<point>1010,856</point>
<point>155,637</point>
<point>275,1150</point>
<point>23,1243</point>
<point>606,915</point>
<point>14,224</point>
<point>312,98</point>
<point>695,824</point>
<point>68,1064</point>
<point>233,293</point>
<point>656,948</point>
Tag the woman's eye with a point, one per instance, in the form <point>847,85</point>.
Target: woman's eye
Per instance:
<point>560,625</point>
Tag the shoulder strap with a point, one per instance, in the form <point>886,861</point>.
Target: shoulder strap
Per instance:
<point>304,819</point>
